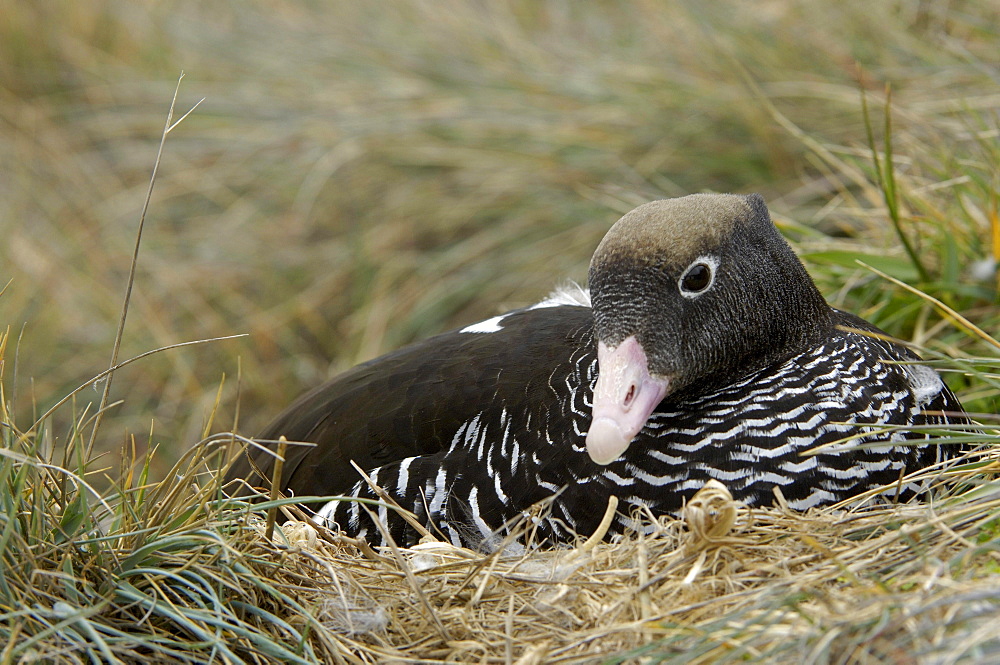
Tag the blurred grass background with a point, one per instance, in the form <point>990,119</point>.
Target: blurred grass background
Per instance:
<point>362,175</point>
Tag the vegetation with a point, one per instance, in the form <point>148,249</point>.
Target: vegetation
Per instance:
<point>362,175</point>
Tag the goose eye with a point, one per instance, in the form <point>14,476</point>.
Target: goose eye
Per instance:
<point>696,279</point>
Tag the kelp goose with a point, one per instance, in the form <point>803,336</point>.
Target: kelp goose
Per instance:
<point>703,351</point>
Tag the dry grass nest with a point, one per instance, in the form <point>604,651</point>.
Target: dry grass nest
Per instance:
<point>860,583</point>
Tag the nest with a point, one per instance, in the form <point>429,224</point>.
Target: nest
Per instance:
<point>900,583</point>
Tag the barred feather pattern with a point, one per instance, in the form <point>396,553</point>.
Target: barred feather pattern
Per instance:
<point>751,435</point>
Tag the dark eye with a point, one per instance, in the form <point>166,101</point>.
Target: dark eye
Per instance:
<point>696,279</point>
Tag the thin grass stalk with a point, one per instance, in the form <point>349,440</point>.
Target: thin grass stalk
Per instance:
<point>886,179</point>
<point>105,395</point>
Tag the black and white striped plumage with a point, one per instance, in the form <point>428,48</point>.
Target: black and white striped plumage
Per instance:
<point>744,365</point>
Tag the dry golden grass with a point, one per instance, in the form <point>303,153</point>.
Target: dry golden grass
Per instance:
<point>725,584</point>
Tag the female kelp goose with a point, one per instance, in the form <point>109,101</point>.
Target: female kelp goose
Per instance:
<point>707,352</point>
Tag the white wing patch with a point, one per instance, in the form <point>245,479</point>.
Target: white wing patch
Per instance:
<point>924,383</point>
<point>568,294</point>
<point>487,326</point>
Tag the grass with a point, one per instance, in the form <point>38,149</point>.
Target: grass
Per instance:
<point>360,178</point>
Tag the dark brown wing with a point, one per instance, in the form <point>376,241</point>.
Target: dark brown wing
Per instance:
<point>412,401</point>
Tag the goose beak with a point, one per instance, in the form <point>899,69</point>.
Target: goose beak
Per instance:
<point>624,398</point>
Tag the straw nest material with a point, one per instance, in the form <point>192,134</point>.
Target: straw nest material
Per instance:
<point>865,583</point>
